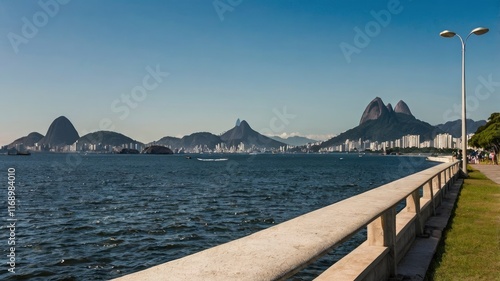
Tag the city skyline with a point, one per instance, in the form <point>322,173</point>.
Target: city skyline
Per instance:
<point>171,68</point>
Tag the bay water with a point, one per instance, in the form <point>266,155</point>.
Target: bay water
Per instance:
<point>97,217</point>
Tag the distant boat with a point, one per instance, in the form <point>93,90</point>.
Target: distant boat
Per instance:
<point>212,159</point>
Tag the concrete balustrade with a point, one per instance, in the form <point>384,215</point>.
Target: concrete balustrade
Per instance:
<point>281,251</point>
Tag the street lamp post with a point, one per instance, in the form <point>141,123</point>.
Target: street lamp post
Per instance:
<point>449,34</point>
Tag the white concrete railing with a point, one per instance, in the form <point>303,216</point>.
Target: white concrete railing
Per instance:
<point>443,159</point>
<point>279,252</point>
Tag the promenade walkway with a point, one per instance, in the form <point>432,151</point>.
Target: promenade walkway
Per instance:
<point>490,171</point>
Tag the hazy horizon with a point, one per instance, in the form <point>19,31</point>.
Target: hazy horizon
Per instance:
<point>267,132</point>
<point>283,135</point>
<point>152,69</point>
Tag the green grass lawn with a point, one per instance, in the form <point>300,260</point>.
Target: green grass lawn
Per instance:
<point>471,246</point>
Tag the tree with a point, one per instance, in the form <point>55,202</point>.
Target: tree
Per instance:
<point>488,136</point>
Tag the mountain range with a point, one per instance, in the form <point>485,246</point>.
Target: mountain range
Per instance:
<point>61,132</point>
<point>191,141</point>
<point>240,133</point>
<point>379,122</point>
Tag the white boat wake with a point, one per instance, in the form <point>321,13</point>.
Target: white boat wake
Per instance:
<point>212,159</point>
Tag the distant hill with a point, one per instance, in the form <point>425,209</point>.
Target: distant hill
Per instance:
<point>107,138</point>
<point>205,139</point>
<point>28,140</point>
<point>295,141</point>
<point>454,128</point>
<point>191,141</point>
<point>240,133</point>
<point>246,135</point>
<point>61,132</point>
<point>380,123</point>
<point>171,142</point>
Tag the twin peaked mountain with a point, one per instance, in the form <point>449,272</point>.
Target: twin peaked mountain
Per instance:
<point>376,109</point>
<point>381,122</point>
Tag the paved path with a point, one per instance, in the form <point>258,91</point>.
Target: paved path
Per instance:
<point>491,171</point>
<point>414,265</point>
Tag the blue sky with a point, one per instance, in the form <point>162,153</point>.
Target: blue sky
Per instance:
<point>277,64</point>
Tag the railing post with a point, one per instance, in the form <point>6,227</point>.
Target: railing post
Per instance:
<point>447,180</point>
<point>451,178</point>
<point>439,190</point>
<point>444,182</point>
<point>413,206</point>
<point>382,232</point>
<point>429,193</point>
<point>453,175</point>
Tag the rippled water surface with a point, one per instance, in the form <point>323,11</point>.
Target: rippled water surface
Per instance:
<point>96,217</point>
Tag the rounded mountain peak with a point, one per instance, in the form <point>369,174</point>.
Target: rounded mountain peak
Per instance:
<point>244,123</point>
<point>60,132</point>
<point>374,110</point>
<point>403,108</point>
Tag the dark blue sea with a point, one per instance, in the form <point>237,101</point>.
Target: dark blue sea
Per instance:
<point>97,217</point>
